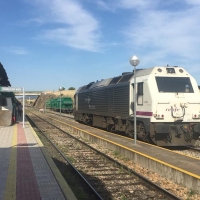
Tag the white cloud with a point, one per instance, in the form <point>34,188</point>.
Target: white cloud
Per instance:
<point>193,2</point>
<point>26,22</point>
<point>76,37</point>
<point>173,33</point>
<point>136,4</point>
<point>17,50</point>
<point>113,5</point>
<point>103,5</point>
<point>170,27</point>
<point>69,24</point>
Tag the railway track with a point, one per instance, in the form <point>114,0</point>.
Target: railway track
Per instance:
<point>195,148</point>
<point>76,181</point>
<point>106,178</point>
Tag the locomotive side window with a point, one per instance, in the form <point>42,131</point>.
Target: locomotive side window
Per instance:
<point>174,84</point>
<point>140,89</point>
<point>140,93</point>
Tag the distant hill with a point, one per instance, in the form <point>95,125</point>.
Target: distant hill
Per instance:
<point>40,101</point>
<point>3,77</point>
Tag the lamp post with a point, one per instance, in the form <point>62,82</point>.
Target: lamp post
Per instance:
<point>45,102</point>
<point>134,61</point>
<point>61,89</point>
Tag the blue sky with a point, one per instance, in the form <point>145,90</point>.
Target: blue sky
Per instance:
<point>45,44</point>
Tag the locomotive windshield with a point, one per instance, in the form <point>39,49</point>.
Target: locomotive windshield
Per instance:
<point>174,84</point>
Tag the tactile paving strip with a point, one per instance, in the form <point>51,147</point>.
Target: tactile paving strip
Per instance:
<point>26,181</point>
<point>24,171</point>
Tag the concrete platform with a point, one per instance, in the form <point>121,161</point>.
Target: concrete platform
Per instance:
<point>26,169</point>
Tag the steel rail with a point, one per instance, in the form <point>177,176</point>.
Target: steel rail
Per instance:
<point>66,159</point>
<point>149,182</point>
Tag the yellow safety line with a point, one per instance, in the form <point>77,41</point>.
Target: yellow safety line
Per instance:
<point>141,142</point>
<point>10,190</point>
<point>152,158</point>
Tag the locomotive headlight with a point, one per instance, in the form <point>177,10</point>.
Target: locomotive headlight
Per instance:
<point>196,116</point>
<point>170,70</point>
<point>159,116</point>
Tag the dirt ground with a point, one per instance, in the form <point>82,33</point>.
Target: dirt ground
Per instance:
<point>40,101</point>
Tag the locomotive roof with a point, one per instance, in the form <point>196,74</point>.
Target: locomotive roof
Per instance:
<point>125,77</point>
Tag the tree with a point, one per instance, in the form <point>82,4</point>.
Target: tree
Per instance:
<point>3,77</point>
<point>71,88</point>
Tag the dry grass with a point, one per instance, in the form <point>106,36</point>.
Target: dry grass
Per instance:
<point>66,93</point>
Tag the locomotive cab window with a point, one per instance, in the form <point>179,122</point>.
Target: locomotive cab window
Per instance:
<point>174,84</point>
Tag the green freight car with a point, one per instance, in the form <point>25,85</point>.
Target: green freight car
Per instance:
<point>65,104</point>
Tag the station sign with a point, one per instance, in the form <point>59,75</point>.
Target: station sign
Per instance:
<point>11,89</point>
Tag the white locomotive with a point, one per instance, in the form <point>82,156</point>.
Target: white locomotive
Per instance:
<point>167,109</point>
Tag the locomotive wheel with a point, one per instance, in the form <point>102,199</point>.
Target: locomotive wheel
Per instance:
<point>142,134</point>
<point>169,137</point>
<point>187,136</point>
<point>110,127</point>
